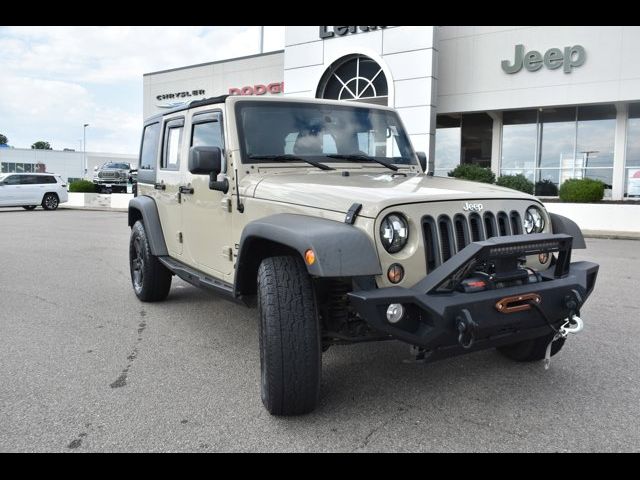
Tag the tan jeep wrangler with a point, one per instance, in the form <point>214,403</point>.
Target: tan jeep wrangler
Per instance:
<point>321,214</point>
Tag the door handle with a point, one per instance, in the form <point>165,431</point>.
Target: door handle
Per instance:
<point>160,186</point>
<point>186,190</point>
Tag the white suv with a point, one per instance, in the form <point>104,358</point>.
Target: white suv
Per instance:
<point>28,190</point>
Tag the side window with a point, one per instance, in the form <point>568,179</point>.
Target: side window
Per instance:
<point>27,179</point>
<point>13,180</point>
<point>207,131</point>
<point>172,143</point>
<point>149,151</point>
<point>47,179</point>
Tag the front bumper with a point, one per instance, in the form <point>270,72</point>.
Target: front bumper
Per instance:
<point>110,182</point>
<point>434,308</point>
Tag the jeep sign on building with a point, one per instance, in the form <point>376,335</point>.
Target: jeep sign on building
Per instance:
<point>550,102</point>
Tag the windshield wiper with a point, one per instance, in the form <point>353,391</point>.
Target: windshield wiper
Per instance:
<point>288,158</point>
<point>366,158</point>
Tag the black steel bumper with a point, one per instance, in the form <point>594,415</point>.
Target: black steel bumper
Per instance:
<point>434,307</point>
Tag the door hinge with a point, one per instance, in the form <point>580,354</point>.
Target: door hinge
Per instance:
<point>179,237</point>
<point>226,204</point>
<point>227,252</point>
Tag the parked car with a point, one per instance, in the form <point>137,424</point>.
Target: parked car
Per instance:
<point>112,177</point>
<point>28,190</point>
<point>322,215</point>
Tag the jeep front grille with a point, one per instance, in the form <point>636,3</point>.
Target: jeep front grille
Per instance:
<point>445,237</point>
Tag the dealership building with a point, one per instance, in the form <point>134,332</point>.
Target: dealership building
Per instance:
<point>549,102</point>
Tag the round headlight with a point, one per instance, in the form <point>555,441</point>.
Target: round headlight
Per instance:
<point>394,232</point>
<point>533,220</point>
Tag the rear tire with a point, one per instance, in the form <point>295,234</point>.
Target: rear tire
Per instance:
<point>531,350</point>
<point>150,279</point>
<point>29,207</point>
<point>290,350</point>
<point>50,201</point>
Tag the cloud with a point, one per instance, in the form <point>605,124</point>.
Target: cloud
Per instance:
<point>106,54</point>
<point>55,111</point>
<point>55,79</point>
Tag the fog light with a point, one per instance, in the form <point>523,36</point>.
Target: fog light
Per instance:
<point>395,312</point>
<point>395,273</point>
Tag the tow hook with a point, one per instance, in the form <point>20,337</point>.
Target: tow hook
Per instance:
<point>467,328</point>
<point>573,324</point>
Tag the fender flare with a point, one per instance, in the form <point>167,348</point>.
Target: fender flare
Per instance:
<point>560,224</point>
<point>145,207</point>
<point>341,250</point>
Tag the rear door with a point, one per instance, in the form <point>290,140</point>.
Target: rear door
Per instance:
<point>169,178</point>
<point>40,185</point>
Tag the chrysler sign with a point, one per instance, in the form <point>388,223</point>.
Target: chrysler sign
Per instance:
<point>171,96</point>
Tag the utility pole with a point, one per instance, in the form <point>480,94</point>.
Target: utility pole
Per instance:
<point>84,147</point>
<point>262,39</point>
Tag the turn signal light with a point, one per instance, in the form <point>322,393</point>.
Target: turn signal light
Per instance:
<point>395,274</point>
<point>310,257</point>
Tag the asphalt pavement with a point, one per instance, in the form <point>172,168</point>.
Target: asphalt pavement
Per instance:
<point>85,366</point>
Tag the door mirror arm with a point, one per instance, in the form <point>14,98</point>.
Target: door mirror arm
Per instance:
<point>220,185</point>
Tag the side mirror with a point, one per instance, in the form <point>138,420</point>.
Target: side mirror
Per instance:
<point>205,160</point>
<point>95,169</point>
<point>427,167</point>
<point>208,161</point>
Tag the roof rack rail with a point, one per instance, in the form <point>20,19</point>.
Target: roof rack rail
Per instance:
<point>190,104</point>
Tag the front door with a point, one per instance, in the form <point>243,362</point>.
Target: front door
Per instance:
<point>205,212</point>
<point>168,181</point>
<point>9,190</point>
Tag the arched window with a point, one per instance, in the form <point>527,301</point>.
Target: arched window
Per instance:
<point>355,78</point>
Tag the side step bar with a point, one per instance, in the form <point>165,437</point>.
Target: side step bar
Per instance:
<point>197,278</point>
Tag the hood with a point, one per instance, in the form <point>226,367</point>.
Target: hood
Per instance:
<point>375,190</point>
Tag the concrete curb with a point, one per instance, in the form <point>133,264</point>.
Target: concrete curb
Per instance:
<point>611,235</point>
<point>94,209</point>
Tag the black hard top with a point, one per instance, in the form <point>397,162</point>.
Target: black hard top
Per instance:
<point>187,106</point>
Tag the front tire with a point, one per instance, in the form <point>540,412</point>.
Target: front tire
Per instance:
<point>531,350</point>
<point>50,201</point>
<point>150,279</point>
<point>290,350</point>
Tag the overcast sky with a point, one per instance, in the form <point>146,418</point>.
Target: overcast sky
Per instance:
<point>55,79</point>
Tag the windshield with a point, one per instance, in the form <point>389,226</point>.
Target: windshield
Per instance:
<point>120,166</point>
<point>319,131</point>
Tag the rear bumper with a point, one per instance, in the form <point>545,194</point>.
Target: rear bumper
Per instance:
<point>432,314</point>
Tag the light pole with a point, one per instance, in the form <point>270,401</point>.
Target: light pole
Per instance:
<point>84,147</point>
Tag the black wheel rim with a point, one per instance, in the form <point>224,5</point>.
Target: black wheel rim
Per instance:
<point>137,264</point>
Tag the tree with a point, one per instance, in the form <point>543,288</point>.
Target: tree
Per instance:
<point>41,145</point>
<point>3,139</point>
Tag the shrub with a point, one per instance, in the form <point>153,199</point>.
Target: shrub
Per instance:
<point>476,173</point>
<point>546,188</point>
<point>82,186</point>
<point>582,190</point>
<point>517,182</point>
